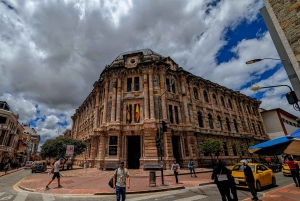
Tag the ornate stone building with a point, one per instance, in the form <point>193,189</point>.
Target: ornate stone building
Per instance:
<point>118,120</point>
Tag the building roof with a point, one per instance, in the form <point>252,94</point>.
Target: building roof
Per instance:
<point>144,51</point>
<point>280,111</point>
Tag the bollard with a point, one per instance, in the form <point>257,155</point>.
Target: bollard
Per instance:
<point>152,178</point>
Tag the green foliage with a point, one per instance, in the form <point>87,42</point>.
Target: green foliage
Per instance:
<point>56,148</point>
<point>211,147</point>
<point>240,148</point>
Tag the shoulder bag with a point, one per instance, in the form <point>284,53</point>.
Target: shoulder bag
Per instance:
<point>110,183</point>
<point>222,177</point>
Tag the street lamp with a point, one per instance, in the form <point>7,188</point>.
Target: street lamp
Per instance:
<point>258,60</point>
<point>159,133</point>
<point>291,96</point>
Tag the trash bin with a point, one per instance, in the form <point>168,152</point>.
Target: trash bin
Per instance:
<point>152,178</point>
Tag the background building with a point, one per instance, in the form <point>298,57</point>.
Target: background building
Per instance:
<point>118,120</point>
<point>32,142</point>
<point>283,21</point>
<point>279,122</point>
<point>10,133</point>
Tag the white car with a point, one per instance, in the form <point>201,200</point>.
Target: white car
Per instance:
<point>28,164</point>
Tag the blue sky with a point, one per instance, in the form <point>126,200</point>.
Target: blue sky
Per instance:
<point>51,52</point>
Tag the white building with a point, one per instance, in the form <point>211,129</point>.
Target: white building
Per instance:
<point>279,122</point>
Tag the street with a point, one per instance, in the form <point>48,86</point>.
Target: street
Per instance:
<point>205,193</point>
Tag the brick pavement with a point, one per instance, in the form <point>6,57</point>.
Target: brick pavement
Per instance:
<point>93,181</point>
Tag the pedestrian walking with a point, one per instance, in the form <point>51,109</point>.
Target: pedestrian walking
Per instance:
<point>221,177</point>
<point>176,168</point>
<point>119,181</point>
<point>191,167</point>
<point>294,167</point>
<point>233,186</point>
<point>56,174</point>
<point>249,179</point>
<point>7,167</point>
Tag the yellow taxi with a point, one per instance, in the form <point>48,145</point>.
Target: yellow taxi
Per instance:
<point>286,170</point>
<point>263,176</point>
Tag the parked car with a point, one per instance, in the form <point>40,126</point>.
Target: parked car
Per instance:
<point>263,175</point>
<point>67,166</point>
<point>28,164</point>
<point>39,166</point>
<point>286,169</point>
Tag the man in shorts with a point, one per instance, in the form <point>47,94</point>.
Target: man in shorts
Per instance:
<point>56,174</point>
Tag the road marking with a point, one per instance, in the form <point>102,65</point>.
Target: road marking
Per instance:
<point>48,197</point>
<point>157,195</point>
<point>196,197</point>
<point>7,197</point>
<point>21,196</point>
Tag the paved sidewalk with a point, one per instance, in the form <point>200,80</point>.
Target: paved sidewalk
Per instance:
<point>92,181</point>
<point>2,173</point>
<point>286,193</point>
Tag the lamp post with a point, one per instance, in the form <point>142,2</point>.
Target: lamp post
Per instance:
<point>160,135</point>
<point>258,60</point>
<point>291,96</point>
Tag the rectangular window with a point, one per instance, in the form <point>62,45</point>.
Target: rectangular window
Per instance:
<point>253,126</point>
<point>173,87</point>
<point>176,114</point>
<point>225,149</point>
<point>259,129</point>
<point>129,83</point>
<point>2,120</point>
<point>234,150</point>
<point>171,114</point>
<point>113,145</point>
<point>136,84</point>
<point>168,84</point>
<point>186,146</point>
<point>2,135</point>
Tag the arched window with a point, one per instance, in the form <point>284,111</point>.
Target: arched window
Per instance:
<point>200,119</point>
<point>220,123</point>
<point>210,120</point>
<point>205,96</point>
<point>196,94</point>
<point>214,99</point>
<point>229,103</point>
<point>228,124</point>
<point>222,101</point>
<point>235,125</point>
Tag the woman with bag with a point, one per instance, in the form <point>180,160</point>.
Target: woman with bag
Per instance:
<point>191,167</point>
<point>176,168</point>
<point>220,175</point>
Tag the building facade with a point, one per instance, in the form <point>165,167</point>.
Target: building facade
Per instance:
<point>119,118</point>
<point>32,143</point>
<point>283,21</point>
<point>10,134</point>
<point>279,122</point>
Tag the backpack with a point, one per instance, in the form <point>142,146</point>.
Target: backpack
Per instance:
<point>110,183</point>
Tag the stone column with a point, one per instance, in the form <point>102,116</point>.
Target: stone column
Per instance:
<point>151,96</point>
<point>146,97</point>
<point>105,101</point>
<point>102,147</point>
<point>162,78</point>
<point>113,104</point>
<point>96,111</point>
<point>119,89</point>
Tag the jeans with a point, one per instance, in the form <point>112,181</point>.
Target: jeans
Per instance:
<point>176,176</point>
<point>296,178</point>
<point>192,169</point>
<point>121,191</point>
<point>252,190</point>
<point>224,189</point>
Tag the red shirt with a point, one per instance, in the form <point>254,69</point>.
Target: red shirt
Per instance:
<point>292,164</point>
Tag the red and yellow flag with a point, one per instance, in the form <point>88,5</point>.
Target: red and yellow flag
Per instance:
<point>137,112</point>
<point>127,113</point>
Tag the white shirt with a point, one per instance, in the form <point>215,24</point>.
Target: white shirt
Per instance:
<point>121,177</point>
<point>56,168</point>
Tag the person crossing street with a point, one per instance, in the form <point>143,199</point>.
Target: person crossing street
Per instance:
<point>57,166</point>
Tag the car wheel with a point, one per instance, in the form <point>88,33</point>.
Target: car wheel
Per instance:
<point>273,181</point>
<point>258,186</point>
<point>32,171</point>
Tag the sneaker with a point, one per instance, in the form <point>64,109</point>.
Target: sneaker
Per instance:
<point>47,188</point>
<point>59,186</point>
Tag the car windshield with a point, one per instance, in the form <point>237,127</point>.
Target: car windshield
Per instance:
<point>28,162</point>
<point>240,168</point>
<point>38,164</point>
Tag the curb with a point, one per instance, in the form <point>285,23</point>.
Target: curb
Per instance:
<point>143,191</point>
<point>207,183</point>
<point>25,189</point>
<point>12,171</point>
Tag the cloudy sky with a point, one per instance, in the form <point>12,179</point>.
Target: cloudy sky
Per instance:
<point>51,52</point>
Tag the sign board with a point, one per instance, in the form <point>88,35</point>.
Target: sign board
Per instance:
<point>70,150</point>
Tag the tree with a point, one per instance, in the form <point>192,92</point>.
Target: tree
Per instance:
<point>240,148</point>
<point>212,148</point>
<point>55,148</point>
